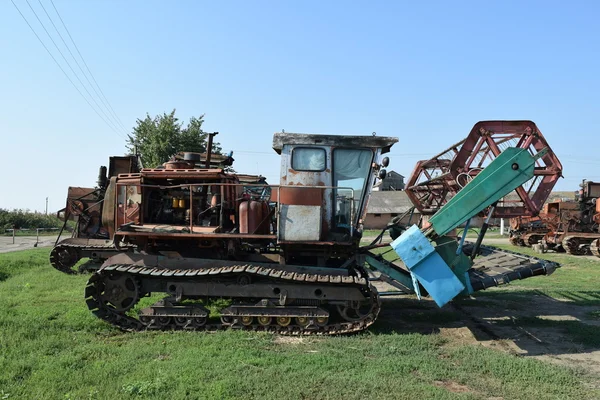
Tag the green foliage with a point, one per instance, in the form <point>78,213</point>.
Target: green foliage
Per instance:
<point>25,219</point>
<point>158,138</point>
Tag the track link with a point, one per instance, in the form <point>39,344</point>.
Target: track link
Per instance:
<point>69,251</point>
<point>530,239</point>
<point>576,245</point>
<point>306,320</point>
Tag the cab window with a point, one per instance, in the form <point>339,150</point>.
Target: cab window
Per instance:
<point>308,159</point>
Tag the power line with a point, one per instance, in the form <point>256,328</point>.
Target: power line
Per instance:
<point>61,68</point>
<point>77,63</point>
<point>70,67</point>
<point>87,68</point>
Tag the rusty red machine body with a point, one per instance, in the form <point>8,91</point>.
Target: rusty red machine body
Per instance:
<point>570,225</point>
<point>91,238</point>
<point>286,257</point>
<point>286,254</point>
<point>436,180</point>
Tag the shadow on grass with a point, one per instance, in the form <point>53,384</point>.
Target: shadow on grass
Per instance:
<point>534,321</point>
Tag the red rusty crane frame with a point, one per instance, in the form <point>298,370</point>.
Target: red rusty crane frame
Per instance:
<point>435,181</point>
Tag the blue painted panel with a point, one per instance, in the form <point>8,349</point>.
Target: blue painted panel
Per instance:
<point>427,266</point>
<point>412,246</point>
<point>438,279</point>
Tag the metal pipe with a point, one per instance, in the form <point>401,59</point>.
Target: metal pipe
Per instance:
<point>462,239</point>
<point>482,232</point>
<point>222,210</point>
<point>209,148</point>
<point>191,211</point>
<point>391,293</point>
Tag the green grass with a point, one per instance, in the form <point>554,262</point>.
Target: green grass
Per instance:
<point>51,347</point>
<point>578,278</point>
<point>491,233</point>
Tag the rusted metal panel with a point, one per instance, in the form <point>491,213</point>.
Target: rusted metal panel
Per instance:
<point>109,206</point>
<point>123,165</point>
<point>129,202</point>
<point>301,196</point>
<point>167,236</point>
<point>291,177</point>
<point>592,189</point>
<point>300,223</point>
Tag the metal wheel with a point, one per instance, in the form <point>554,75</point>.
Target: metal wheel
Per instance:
<point>64,258</point>
<point>573,246</point>
<point>246,320</point>
<point>181,321</point>
<point>264,321</point>
<point>533,239</point>
<point>322,321</point>
<point>199,321</point>
<point>355,312</point>
<point>163,321</point>
<point>226,319</point>
<point>283,321</point>
<point>121,292</point>
<point>302,321</point>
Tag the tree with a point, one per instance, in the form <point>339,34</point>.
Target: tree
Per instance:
<point>158,139</point>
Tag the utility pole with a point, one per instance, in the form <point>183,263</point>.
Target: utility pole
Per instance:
<point>46,205</point>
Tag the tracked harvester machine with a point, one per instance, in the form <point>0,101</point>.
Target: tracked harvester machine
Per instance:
<point>571,226</point>
<point>287,257</point>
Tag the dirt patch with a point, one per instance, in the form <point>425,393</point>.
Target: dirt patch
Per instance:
<point>289,340</point>
<point>458,336</point>
<point>452,386</point>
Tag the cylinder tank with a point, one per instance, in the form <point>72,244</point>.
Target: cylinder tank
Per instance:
<point>250,216</point>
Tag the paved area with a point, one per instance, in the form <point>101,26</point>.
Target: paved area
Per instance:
<point>25,242</point>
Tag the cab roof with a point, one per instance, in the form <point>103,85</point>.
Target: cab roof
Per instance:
<point>376,142</point>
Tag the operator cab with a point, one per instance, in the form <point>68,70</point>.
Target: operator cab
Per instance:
<point>325,184</point>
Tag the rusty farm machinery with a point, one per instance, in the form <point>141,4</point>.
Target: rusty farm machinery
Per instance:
<point>288,257</point>
<point>564,225</point>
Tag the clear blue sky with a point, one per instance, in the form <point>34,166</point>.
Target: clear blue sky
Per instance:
<point>422,71</point>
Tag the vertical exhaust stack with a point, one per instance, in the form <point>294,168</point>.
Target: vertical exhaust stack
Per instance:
<point>102,179</point>
<point>209,148</point>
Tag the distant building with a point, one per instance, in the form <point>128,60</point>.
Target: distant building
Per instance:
<point>392,181</point>
<point>385,205</point>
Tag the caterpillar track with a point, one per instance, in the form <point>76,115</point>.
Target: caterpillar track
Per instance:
<point>530,239</point>
<point>272,299</point>
<point>69,251</point>
<point>516,240</point>
<point>579,244</point>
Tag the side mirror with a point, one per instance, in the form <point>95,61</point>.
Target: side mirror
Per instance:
<point>385,162</point>
<point>382,174</point>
